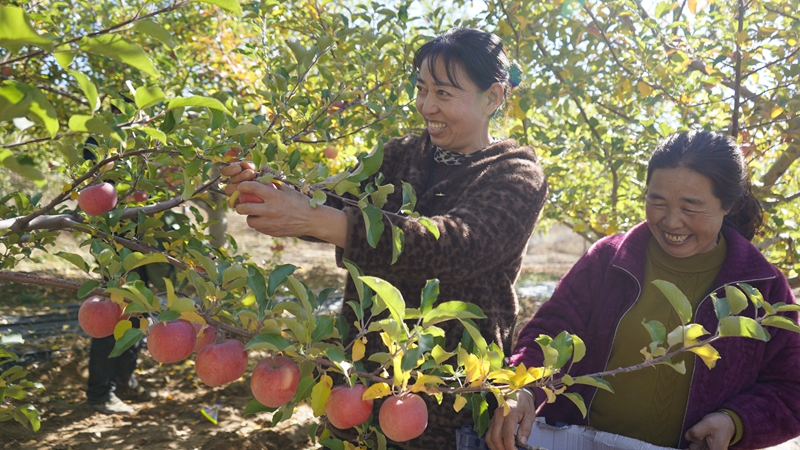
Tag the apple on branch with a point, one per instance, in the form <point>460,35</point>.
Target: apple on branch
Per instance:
<point>98,199</point>
<point>345,407</point>
<point>221,363</point>
<point>274,381</point>
<point>98,316</point>
<point>403,417</point>
<point>171,342</point>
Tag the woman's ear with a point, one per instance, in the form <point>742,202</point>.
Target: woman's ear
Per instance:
<point>494,97</point>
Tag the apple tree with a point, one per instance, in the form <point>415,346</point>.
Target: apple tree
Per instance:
<point>170,91</point>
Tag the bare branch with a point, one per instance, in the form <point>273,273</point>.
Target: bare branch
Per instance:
<point>30,278</point>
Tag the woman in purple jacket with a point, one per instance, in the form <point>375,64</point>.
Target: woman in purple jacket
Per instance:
<point>701,217</point>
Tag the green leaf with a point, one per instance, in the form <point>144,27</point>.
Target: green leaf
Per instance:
<point>319,198</point>
<point>13,101</point>
<point>87,287</point>
<point>137,259</point>
<point>130,337</point>
<point>656,329</point>
<point>254,407</point>
<point>677,299</point>
<point>475,334</point>
<point>168,315</point>
<point>757,298</point>
<point>75,259</point>
<point>373,219</point>
<point>743,327</point>
<point>563,344</point>
<point>578,400</point>
<point>736,299</point>
<point>206,262</point>
<point>155,31</point>
<point>41,109</point>
<point>233,272</point>
<point>430,226</point>
<point>269,341</point>
<point>116,47</point>
<point>196,100</point>
<point>721,306</point>
<point>369,165</point>
<point>550,354</point>
<point>452,310</point>
<point>398,241</point>
<point>16,30</point>
<point>679,367</point>
<point>389,294</point>
<point>11,339</point>
<point>323,330</point>
<point>781,322</point>
<point>594,381</point>
<point>355,274</point>
<point>88,88</point>
<point>10,162</point>
<point>480,413</point>
<point>278,276</point>
<point>147,96</point>
<point>30,413</point>
<point>154,133</point>
<point>429,295</point>
<point>232,6</point>
<point>64,55</point>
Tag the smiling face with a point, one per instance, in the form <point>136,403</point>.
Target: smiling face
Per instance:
<point>683,213</point>
<point>457,118</point>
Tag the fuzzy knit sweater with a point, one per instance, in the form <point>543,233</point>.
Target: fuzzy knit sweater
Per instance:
<point>485,210</point>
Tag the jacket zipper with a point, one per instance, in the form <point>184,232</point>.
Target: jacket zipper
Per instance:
<point>616,328</point>
<point>691,380</point>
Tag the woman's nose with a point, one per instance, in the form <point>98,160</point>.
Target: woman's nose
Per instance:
<point>429,106</point>
<point>673,219</point>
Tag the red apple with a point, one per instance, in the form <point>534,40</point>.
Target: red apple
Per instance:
<point>274,381</point>
<point>6,71</point>
<point>404,417</point>
<point>98,316</point>
<point>221,363</point>
<point>98,199</point>
<point>205,337</point>
<point>337,107</point>
<point>233,153</point>
<point>140,196</point>
<point>171,342</point>
<point>330,152</point>
<point>250,198</point>
<point>345,408</point>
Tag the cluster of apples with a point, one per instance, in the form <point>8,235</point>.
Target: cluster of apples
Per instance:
<point>274,380</point>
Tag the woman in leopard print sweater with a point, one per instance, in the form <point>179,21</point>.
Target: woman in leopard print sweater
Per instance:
<point>484,196</point>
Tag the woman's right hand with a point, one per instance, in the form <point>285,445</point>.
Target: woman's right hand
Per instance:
<point>500,435</point>
<point>238,173</point>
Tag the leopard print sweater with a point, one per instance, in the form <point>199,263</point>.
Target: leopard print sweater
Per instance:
<point>485,210</point>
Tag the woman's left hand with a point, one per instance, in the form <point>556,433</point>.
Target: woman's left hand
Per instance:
<point>714,432</point>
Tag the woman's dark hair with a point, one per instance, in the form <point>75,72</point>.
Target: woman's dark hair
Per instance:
<point>479,54</point>
<point>717,157</point>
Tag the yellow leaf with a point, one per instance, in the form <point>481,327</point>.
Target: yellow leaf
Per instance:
<point>477,370</point>
<point>776,111</point>
<point>459,403</point>
<point>249,320</point>
<point>708,354</point>
<point>233,198</point>
<point>320,394</point>
<point>121,327</point>
<point>741,37</point>
<point>249,299</point>
<point>421,385</point>
<point>644,89</point>
<point>118,299</point>
<point>693,6</point>
<point>326,433</point>
<point>182,304</point>
<point>401,376</point>
<point>358,349</point>
<point>377,390</point>
<point>193,317</point>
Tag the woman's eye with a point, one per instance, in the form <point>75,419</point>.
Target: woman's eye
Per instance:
<point>442,93</point>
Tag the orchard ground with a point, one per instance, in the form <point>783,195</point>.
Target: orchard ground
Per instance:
<point>173,420</point>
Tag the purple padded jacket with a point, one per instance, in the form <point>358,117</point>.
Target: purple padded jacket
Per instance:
<point>760,381</point>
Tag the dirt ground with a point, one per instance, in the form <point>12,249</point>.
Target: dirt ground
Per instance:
<point>173,419</point>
